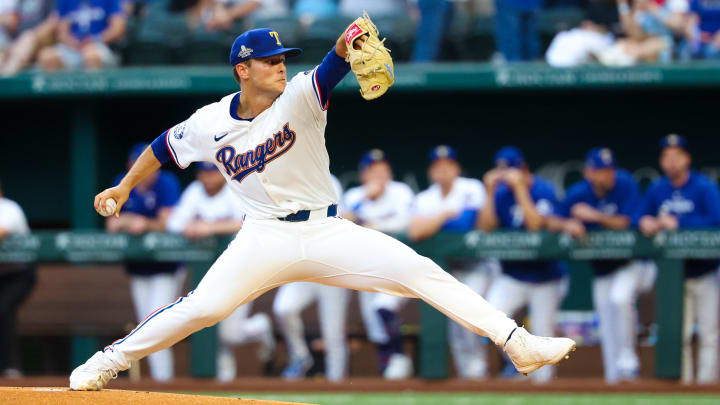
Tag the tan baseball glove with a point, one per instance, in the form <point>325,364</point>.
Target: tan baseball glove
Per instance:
<point>372,63</point>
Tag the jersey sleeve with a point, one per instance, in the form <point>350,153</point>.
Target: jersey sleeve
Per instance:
<point>710,215</point>
<point>183,143</point>
<point>422,206</point>
<point>313,87</point>
<point>546,203</point>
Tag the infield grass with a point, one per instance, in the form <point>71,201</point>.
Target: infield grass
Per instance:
<point>473,398</point>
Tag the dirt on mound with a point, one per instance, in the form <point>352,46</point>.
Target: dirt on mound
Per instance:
<point>64,396</point>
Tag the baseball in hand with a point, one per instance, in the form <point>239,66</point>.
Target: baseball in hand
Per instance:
<point>109,208</point>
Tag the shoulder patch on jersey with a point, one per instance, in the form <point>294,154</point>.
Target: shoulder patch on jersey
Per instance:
<point>178,130</point>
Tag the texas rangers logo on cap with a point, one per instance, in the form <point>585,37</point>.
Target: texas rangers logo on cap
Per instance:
<point>606,156</point>
<point>259,43</point>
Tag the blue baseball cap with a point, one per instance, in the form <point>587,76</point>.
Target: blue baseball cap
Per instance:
<point>370,157</point>
<point>673,140</point>
<point>600,158</point>
<point>205,167</point>
<point>442,152</point>
<point>137,150</point>
<point>509,156</point>
<point>259,43</point>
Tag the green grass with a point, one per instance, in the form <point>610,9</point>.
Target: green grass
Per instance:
<point>472,398</point>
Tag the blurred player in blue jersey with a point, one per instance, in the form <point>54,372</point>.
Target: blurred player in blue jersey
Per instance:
<point>451,204</point>
<point>684,198</point>
<point>152,284</point>
<point>384,205</point>
<point>607,199</point>
<point>521,200</point>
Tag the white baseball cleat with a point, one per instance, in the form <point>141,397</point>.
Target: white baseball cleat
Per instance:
<point>95,374</point>
<point>529,352</point>
<point>399,366</point>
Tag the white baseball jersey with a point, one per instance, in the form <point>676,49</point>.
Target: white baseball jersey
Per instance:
<point>276,163</point>
<point>388,213</point>
<point>466,194</point>
<point>196,203</point>
<point>12,217</point>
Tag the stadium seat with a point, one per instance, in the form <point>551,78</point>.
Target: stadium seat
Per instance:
<point>159,38</point>
<point>400,33</point>
<point>287,27</point>
<point>208,47</point>
<point>320,37</point>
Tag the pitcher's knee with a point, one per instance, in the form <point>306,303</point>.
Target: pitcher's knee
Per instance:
<point>208,313</point>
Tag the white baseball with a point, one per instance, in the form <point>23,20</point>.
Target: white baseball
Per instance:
<point>109,208</point>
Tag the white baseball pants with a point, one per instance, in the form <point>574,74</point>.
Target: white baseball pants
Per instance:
<point>543,300</point>
<point>148,293</point>
<point>701,308</point>
<point>614,296</point>
<point>332,251</point>
<point>290,301</point>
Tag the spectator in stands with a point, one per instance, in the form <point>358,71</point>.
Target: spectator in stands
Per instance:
<point>451,204</point>
<point>152,284</point>
<point>521,200</point>
<point>435,18</point>
<point>86,31</point>
<point>375,8</point>
<point>607,199</point>
<point>207,207</point>
<point>704,29</point>
<point>384,205</point>
<point>226,12</point>
<point>650,29</point>
<point>684,198</point>
<point>37,23</point>
<point>8,23</point>
<point>579,45</point>
<point>16,282</point>
<point>311,10</point>
<point>516,32</point>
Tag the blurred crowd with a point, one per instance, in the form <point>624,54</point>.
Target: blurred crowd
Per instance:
<point>73,34</point>
<point>509,197</point>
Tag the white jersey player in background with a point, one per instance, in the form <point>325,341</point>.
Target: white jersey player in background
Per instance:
<point>268,140</point>
<point>207,207</point>
<point>291,300</point>
<point>451,204</point>
<point>384,205</point>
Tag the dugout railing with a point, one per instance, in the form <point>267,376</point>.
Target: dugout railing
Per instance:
<point>668,249</point>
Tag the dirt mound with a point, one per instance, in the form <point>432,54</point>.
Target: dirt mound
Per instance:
<point>64,396</point>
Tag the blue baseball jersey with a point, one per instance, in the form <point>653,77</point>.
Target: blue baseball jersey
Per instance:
<point>510,216</point>
<point>164,193</point>
<point>88,17</point>
<point>696,204</point>
<point>623,199</point>
<point>709,13</point>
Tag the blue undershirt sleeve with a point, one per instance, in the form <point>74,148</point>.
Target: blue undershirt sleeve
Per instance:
<point>160,148</point>
<point>328,74</point>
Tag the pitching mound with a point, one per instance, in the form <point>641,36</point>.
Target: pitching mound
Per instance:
<point>63,396</point>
